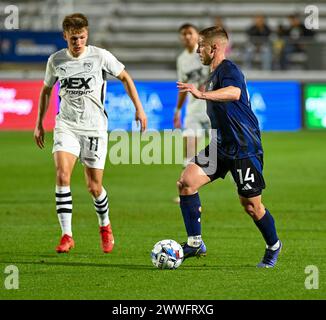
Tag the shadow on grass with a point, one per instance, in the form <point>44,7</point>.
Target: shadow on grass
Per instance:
<point>107,261</point>
<point>148,267</point>
<point>79,264</point>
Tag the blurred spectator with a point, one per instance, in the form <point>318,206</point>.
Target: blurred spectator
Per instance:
<point>259,43</point>
<point>279,41</point>
<point>297,38</point>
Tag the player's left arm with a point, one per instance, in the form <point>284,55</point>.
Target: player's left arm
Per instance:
<point>131,90</point>
<point>229,93</point>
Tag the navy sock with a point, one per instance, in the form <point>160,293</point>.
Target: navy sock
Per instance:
<point>266,226</point>
<point>191,207</point>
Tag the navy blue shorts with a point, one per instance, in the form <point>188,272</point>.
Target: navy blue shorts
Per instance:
<point>247,173</point>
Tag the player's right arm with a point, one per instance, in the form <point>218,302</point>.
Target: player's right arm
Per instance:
<point>43,106</point>
<point>44,101</point>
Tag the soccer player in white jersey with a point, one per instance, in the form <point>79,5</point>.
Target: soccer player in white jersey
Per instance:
<point>191,70</point>
<point>81,125</point>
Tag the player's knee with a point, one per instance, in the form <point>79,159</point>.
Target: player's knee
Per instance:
<point>63,178</point>
<point>249,208</point>
<point>185,187</point>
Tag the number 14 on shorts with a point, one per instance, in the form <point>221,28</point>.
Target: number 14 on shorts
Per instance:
<point>248,176</point>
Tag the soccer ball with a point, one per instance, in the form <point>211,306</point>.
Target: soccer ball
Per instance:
<point>167,254</point>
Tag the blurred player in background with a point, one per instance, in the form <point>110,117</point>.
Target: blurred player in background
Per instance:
<point>81,125</point>
<point>235,146</point>
<point>191,70</point>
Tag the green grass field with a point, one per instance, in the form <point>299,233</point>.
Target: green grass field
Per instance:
<point>142,212</point>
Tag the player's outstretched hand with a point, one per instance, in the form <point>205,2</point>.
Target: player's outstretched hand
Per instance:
<point>189,87</point>
<point>39,137</point>
<point>141,117</point>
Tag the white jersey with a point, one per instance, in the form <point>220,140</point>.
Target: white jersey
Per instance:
<point>82,87</point>
<point>191,70</point>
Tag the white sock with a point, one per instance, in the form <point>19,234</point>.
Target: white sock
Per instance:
<point>274,246</point>
<point>101,205</point>
<point>64,208</point>
<point>194,241</point>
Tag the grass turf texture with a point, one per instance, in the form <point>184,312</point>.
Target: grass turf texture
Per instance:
<point>142,212</point>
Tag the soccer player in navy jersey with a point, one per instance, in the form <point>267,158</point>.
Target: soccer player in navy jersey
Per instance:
<point>235,146</point>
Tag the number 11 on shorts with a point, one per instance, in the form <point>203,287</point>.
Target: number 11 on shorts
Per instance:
<point>93,143</point>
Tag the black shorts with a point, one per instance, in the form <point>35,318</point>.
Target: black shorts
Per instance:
<point>247,173</point>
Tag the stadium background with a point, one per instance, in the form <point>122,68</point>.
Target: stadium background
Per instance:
<point>290,106</point>
<point>143,35</point>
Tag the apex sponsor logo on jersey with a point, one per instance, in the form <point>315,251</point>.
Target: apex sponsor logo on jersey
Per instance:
<point>76,85</point>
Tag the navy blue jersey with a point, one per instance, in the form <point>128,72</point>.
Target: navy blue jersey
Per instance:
<point>236,127</point>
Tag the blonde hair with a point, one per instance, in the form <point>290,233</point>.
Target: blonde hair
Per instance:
<point>214,32</point>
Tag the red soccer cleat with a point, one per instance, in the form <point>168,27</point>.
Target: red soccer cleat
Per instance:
<point>66,243</point>
<point>107,238</point>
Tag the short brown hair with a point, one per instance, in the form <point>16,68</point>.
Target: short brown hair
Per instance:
<point>75,21</point>
<point>214,32</point>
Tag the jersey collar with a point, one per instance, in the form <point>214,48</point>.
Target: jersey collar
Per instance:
<point>77,58</point>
